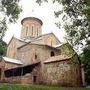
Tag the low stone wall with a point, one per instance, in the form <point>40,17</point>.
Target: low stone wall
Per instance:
<point>16,79</point>
<point>19,79</point>
<point>26,80</point>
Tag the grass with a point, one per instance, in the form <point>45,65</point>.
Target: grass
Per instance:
<point>36,87</point>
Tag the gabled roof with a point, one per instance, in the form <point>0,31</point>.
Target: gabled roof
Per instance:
<point>37,45</point>
<point>37,39</point>
<point>11,60</point>
<point>16,39</point>
<point>21,40</point>
<point>46,35</point>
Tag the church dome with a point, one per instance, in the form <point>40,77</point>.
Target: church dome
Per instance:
<point>31,28</point>
<point>32,18</point>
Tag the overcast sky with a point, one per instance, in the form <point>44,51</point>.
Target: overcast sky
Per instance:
<point>45,12</point>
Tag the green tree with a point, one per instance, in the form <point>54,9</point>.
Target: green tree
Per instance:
<point>9,12</point>
<point>76,17</point>
<point>85,59</point>
<point>3,46</point>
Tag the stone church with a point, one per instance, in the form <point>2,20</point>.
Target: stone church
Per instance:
<point>40,59</point>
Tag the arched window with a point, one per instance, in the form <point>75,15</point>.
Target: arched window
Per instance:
<point>26,30</point>
<point>32,29</point>
<point>52,53</point>
<point>35,56</point>
<point>37,31</point>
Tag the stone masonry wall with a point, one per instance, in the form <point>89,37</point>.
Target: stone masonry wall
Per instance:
<point>61,73</point>
<point>47,39</point>
<point>27,53</point>
<point>12,48</point>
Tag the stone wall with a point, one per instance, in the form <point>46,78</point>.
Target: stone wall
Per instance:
<point>50,39</point>
<point>47,39</point>
<point>5,66</point>
<point>29,78</point>
<point>62,73</point>
<point>19,79</point>
<point>2,67</point>
<point>12,48</point>
<point>32,53</point>
<point>16,79</point>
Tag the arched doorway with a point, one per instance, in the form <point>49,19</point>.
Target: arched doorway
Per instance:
<point>34,79</point>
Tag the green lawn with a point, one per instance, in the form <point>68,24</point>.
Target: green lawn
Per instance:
<point>35,87</point>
